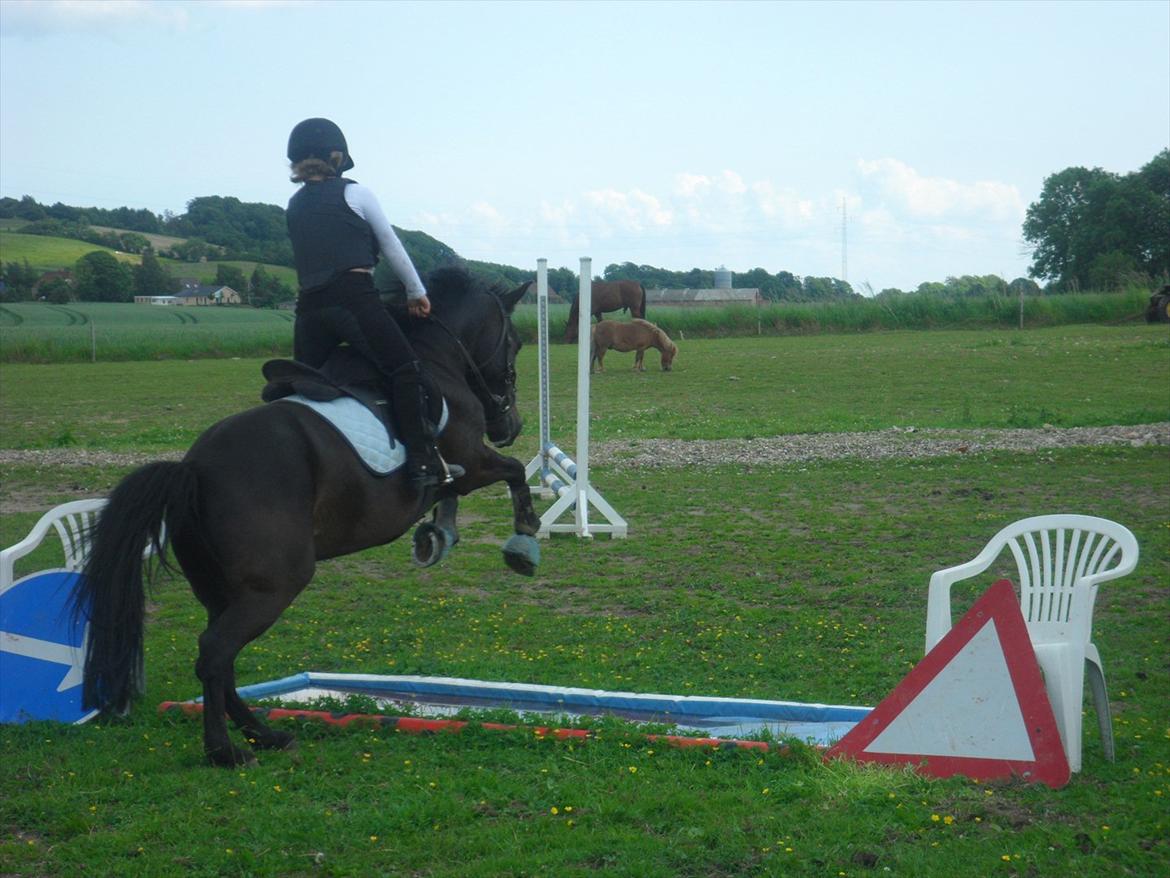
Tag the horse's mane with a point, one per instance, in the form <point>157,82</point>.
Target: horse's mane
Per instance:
<point>660,333</point>
<point>452,284</point>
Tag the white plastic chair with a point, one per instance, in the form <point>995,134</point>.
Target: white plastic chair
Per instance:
<point>1060,561</point>
<point>72,521</point>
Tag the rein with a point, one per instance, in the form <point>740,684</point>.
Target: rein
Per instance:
<point>499,404</point>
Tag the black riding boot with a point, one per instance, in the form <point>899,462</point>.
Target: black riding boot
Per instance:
<point>424,467</point>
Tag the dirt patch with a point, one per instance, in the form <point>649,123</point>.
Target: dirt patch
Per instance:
<point>29,498</point>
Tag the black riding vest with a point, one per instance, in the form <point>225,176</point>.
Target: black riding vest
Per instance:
<point>328,238</point>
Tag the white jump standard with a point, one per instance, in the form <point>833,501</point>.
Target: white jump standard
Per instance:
<point>557,474</point>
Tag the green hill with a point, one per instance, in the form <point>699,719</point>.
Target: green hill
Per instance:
<point>48,253</point>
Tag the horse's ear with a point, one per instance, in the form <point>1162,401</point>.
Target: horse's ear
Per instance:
<point>510,299</point>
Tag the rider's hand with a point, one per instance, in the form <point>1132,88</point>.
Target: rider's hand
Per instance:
<point>420,307</point>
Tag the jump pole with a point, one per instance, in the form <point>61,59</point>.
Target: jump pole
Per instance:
<point>559,475</point>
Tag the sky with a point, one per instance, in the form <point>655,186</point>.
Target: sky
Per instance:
<point>889,144</point>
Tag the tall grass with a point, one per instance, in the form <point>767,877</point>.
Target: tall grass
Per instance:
<point>871,315</point>
<point>904,312</point>
<point>41,333</point>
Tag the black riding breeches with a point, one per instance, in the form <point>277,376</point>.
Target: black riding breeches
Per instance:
<point>349,310</point>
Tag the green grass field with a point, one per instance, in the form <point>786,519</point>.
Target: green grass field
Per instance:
<point>734,388</point>
<point>803,581</point>
<point>47,253</point>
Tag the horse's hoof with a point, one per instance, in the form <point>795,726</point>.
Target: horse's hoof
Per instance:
<point>431,544</point>
<point>522,553</point>
<point>274,740</point>
<point>231,757</point>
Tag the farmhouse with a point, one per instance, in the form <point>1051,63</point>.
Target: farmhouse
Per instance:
<point>208,294</point>
<point>718,296</point>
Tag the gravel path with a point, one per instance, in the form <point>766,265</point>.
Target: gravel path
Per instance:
<point>895,442</point>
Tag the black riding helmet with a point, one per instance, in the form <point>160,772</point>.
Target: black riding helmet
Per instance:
<point>316,139</point>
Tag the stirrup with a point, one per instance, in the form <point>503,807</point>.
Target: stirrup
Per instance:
<point>427,475</point>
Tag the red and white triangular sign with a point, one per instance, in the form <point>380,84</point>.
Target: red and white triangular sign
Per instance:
<point>975,705</point>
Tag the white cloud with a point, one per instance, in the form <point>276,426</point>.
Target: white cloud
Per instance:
<point>45,17</point>
<point>112,18</point>
<point>726,182</point>
<point>937,197</point>
<point>633,211</point>
<point>690,185</point>
<point>486,213</point>
<point>259,4</point>
<point>782,205</point>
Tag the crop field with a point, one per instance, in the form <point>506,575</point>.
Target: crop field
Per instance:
<point>79,331</point>
<point>803,581</point>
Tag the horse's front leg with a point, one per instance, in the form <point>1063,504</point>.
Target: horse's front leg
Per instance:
<point>521,551</point>
<point>638,367</point>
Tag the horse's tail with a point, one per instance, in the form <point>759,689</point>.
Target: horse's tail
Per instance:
<point>111,592</point>
<point>642,304</point>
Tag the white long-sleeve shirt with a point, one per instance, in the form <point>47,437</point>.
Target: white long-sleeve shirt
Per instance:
<point>364,203</point>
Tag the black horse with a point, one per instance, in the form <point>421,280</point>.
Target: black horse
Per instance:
<point>265,494</point>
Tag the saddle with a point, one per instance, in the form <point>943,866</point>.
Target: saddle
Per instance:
<point>290,378</point>
<point>345,374</point>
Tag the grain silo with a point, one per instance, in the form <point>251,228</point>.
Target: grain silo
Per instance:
<point>722,278</point>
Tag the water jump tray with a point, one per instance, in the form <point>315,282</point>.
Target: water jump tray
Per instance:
<point>818,724</point>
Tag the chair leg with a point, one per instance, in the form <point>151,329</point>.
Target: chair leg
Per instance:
<point>1064,682</point>
<point>1096,675</point>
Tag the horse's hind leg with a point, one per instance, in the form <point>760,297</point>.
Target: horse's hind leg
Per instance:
<point>257,733</point>
<point>435,538</point>
<point>239,623</point>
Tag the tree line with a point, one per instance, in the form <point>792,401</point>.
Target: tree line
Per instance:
<point>1090,229</point>
<point>101,277</point>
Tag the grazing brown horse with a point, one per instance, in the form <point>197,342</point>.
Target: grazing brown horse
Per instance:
<point>264,495</point>
<point>610,295</point>
<point>636,335</point>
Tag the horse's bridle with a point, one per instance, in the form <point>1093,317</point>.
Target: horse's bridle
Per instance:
<point>496,406</point>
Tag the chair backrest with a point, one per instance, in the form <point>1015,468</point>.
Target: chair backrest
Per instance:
<point>72,521</point>
<point>1060,561</point>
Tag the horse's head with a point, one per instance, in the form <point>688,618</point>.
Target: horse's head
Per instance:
<point>503,422</point>
<point>669,349</point>
<point>480,318</point>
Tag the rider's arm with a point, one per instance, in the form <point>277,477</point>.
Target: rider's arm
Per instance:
<point>363,202</point>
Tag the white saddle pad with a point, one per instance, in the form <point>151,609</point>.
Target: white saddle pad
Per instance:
<point>381,451</point>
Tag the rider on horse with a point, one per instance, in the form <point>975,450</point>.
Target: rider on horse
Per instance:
<point>338,230</point>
